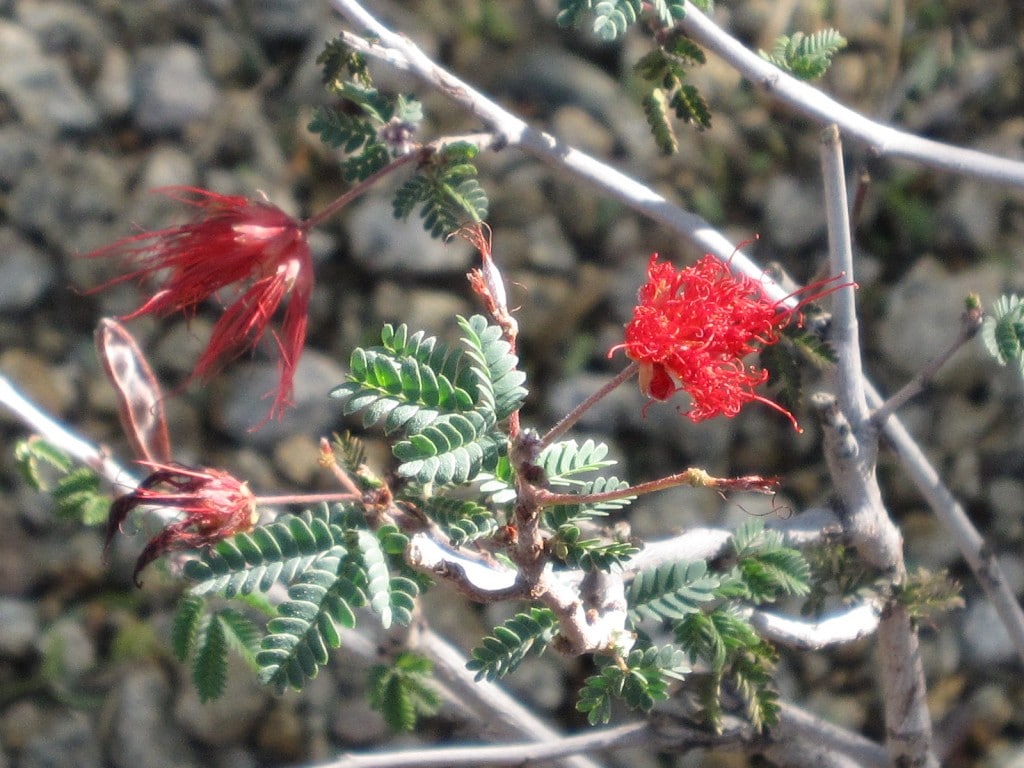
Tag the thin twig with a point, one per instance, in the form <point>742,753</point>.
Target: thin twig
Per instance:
<point>63,438</point>
<point>623,736</point>
<point>883,140</point>
<point>970,324</point>
<point>574,415</point>
<point>979,556</point>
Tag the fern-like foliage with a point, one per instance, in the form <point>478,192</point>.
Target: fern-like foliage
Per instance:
<point>75,490</point>
<point>806,57</point>
<point>446,190</point>
<point>562,464</point>
<point>402,692</point>
<point>446,404</point>
<point>766,568</point>
<point>671,591</point>
<point>640,680</point>
<point>206,637</point>
<point>670,95</point>
<point>463,521</point>
<point>522,635</point>
<point>730,646</point>
<point>1002,331</point>
<point>611,18</point>
<point>331,563</point>
<point>590,554</point>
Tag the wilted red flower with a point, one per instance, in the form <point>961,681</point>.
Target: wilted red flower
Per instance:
<point>691,330</point>
<point>214,503</point>
<point>233,241</point>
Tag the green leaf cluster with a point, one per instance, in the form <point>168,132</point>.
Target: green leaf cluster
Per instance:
<point>522,635</point>
<point>74,490</point>
<point>806,57</point>
<point>670,95</point>
<point>704,609</point>
<point>611,18</point>
<point>442,405</point>
<point>640,680</point>
<point>205,636</point>
<point>446,190</point>
<point>1002,331</point>
<point>373,128</point>
<point>402,692</point>
<point>331,565</point>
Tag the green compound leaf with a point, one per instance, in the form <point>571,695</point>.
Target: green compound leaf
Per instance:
<point>1002,331</point>
<point>766,567</point>
<point>590,554</point>
<point>274,553</point>
<point>74,490</point>
<point>655,105</point>
<point>640,680</point>
<point>462,521</point>
<point>210,667</point>
<point>805,56</point>
<point>562,463</point>
<point>299,638</point>
<point>613,17</point>
<point>671,591</point>
<point>187,619</point>
<point>447,191</point>
<point>522,635</point>
<point>402,692</point>
<point>495,366</point>
<point>727,642</point>
<point>342,131</point>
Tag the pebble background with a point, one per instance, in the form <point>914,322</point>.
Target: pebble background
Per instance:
<point>101,101</point>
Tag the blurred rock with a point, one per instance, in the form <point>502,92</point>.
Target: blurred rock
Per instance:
<point>242,405</point>
<point>40,86</point>
<point>19,626</point>
<point>923,317</point>
<point>25,272</point>
<point>142,735</point>
<point>385,245</point>
<point>69,740</point>
<point>172,88</point>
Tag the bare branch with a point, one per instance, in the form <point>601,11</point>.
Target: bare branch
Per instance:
<point>59,435</point>
<point>851,448</point>
<point>970,324</point>
<point>883,140</point>
<point>837,628</point>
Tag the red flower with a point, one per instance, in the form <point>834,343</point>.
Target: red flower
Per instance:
<point>691,330</point>
<point>234,241</point>
<point>215,504</point>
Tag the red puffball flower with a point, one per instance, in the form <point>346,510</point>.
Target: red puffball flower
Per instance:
<point>249,247</point>
<point>214,503</point>
<point>692,328</point>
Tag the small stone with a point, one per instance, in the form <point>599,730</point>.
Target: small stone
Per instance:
<point>383,244</point>
<point>788,202</point>
<point>142,733</point>
<point>297,459</point>
<point>172,88</point>
<point>25,272</point>
<point>243,403</point>
<point>40,87</point>
<point>68,740</point>
<point>19,626</point>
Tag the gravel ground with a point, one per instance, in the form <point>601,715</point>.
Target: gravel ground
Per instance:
<point>101,102</point>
